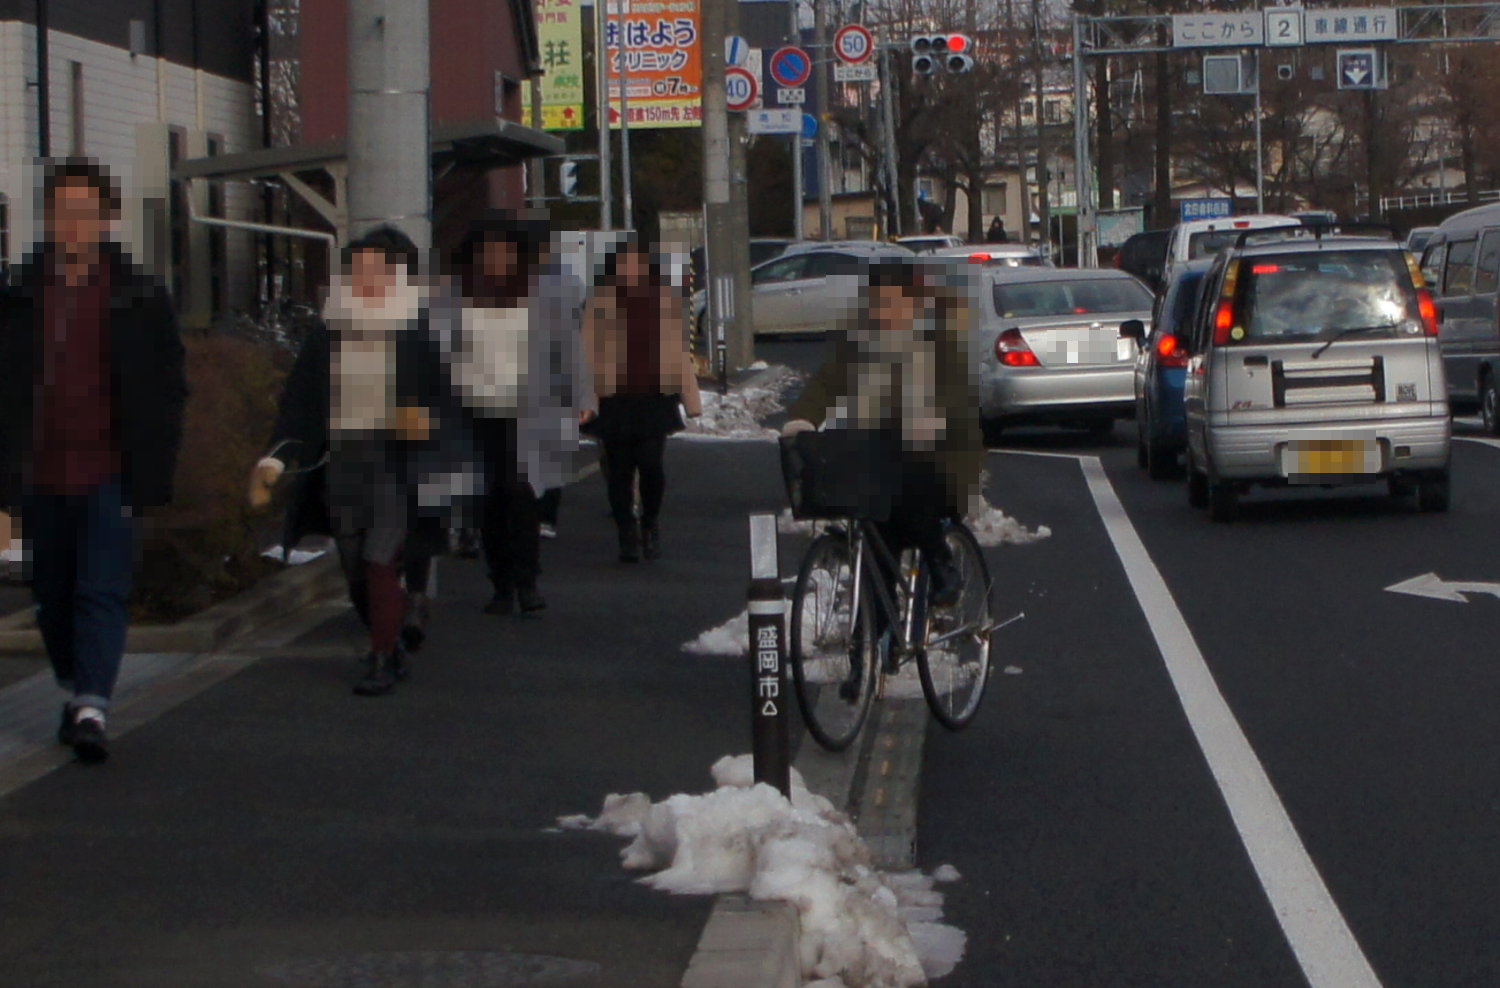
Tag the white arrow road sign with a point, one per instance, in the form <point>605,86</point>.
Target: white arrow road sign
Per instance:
<point>1434,586</point>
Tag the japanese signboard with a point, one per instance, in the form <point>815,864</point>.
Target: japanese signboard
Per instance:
<point>1350,24</point>
<point>1204,209</point>
<point>559,28</point>
<point>1213,30</point>
<point>663,63</point>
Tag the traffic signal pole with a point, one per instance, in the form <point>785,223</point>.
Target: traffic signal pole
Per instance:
<point>825,101</point>
<point>725,220</point>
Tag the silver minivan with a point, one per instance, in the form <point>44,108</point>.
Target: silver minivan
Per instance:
<point>1462,264</point>
<point>1314,360</point>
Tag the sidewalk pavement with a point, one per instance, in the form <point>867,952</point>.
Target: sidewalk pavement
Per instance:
<point>271,829</point>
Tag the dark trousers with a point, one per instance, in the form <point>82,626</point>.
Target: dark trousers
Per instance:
<point>548,504</point>
<point>82,552</point>
<point>509,522</point>
<point>626,458</point>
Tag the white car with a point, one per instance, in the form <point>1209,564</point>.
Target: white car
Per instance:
<point>930,242</point>
<point>806,290</point>
<point>996,255</point>
<point>1197,239</point>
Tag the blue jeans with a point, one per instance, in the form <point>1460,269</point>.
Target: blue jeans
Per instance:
<point>81,549</point>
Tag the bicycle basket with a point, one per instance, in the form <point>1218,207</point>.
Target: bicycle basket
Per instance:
<point>841,473</point>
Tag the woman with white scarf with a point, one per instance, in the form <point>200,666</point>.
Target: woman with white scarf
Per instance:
<point>367,424</point>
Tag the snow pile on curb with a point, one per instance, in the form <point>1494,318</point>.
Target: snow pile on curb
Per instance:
<point>859,927</point>
<point>737,414</point>
<point>992,527</point>
<point>732,638</point>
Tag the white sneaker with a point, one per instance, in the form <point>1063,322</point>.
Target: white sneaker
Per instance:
<point>547,531</point>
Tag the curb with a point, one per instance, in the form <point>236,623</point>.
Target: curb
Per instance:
<point>750,944</point>
<point>206,631</point>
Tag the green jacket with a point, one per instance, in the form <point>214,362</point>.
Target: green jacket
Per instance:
<point>960,452</point>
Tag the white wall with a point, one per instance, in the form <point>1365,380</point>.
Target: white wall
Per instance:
<point>120,93</point>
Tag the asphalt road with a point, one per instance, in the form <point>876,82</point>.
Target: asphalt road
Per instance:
<point>1094,834</point>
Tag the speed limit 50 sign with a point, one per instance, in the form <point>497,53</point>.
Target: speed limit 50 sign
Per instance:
<point>853,44</point>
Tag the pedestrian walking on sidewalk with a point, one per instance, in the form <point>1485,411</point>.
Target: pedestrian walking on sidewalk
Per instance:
<point>381,447</point>
<point>636,339</point>
<point>518,365</point>
<point>92,389</point>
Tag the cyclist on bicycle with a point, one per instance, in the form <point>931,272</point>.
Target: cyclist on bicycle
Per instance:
<point>901,366</point>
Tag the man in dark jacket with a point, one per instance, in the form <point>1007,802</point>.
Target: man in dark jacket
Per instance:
<point>91,395</point>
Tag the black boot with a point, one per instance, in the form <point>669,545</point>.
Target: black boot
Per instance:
<point>530,600</point>
<point>630,543</point>
<point>381,677</point>
<point>650,541</point>
<point>414,630</point>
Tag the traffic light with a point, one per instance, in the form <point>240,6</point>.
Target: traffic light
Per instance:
<point>567,179</point>
<point>951,52</point>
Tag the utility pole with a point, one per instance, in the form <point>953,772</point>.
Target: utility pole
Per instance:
<point>601,113</point>
<point>825,100</point>
<point>390,144</point>
<point>1086,232</point>
<point>799,231</point>
<point>725,226</point>
<point>627,203</point>
<point>1038,82</point>
<point>888,139</point>
<point>536,168</point>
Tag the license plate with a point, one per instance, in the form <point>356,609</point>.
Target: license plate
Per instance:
<point>1331,457</point>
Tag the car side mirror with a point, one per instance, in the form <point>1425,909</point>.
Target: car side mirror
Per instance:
<point>1133,329</point>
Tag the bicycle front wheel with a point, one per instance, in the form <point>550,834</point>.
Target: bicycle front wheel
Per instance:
<point>832,644</point>
<point>955,662</point>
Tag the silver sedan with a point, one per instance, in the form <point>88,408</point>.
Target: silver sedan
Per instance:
<point>1050,349</point>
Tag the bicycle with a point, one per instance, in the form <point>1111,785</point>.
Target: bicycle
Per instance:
<point>860,613</point>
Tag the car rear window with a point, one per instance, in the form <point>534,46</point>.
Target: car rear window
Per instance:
<point>1018,300</point>
<point>1319,295</point>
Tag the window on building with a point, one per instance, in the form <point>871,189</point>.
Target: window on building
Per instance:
<point>993,199</point>
<point>1053,111</point>
<point>75,108</point>
<point>1028,109</point>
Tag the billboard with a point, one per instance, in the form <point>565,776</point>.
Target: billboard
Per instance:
<point>663,63</point>
<point>559,29</point>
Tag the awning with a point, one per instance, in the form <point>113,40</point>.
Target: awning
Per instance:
<point>488,144</point>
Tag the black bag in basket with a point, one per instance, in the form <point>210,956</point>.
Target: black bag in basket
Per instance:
<point>841,473</point>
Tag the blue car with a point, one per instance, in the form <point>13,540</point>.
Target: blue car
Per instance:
<point>1160,368</point>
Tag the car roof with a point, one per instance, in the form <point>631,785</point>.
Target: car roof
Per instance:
<point>1471,219</point>
<point>1250,222</point>
<point>1310,244</point>
<point>1007,250</point>
<point>845,247</point>
<point>1058,274</point>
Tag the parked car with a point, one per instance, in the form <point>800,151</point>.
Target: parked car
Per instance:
<point>1417,237</point>
<point>1197,239</point>
<point>1145,256</point>
<point>927,243</point>
<point>1462,265</point>
<point>996,255</point>
<point>1314,360</point>
<point>762,249</point>
<point>1049,346</point>
<point>806,290</point>
<point>1160,369</point>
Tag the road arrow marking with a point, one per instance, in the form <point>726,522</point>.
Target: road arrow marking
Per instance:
<point>1434,586</point>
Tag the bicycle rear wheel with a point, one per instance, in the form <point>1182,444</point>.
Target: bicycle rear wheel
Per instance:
<point>832,649</point>
<point>955,661</point>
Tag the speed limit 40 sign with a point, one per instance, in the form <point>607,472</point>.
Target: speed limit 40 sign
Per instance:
<point>740,88</point>
<point>853,44</point>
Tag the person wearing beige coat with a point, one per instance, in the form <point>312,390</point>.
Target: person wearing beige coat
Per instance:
<point>635,338</point>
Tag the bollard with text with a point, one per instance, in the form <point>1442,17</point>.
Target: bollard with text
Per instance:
<point>768,724</point>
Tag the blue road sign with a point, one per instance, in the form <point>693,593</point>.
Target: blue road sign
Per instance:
<point>1204,209</point>
<point>809,126</point>
<point>790,66</point>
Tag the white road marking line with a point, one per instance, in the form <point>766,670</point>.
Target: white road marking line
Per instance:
<point>1314,927</point>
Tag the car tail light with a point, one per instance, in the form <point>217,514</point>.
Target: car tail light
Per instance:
<point>978,258</point>
<point>1011,350</point>
<point>1169,351</point>
<point>1428,308</point>
<point>1223,321</point>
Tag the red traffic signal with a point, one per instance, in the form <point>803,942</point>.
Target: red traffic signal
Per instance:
<point>931,52</point>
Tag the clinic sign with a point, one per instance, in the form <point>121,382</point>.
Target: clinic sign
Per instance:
<point>662,62</point>
<point>1204,209</point>
<point>1285,27</point>
<point>559,30</point>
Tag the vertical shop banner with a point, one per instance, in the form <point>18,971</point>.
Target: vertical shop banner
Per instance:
<point>663,63</point>
<point>559,29</point>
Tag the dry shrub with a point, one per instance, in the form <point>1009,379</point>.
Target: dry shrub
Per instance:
<point>203,546</point>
